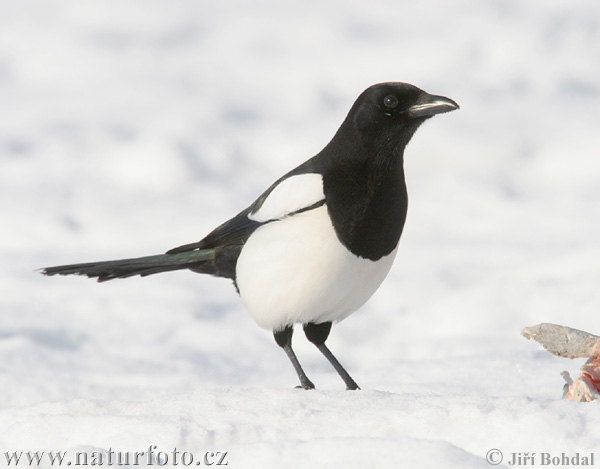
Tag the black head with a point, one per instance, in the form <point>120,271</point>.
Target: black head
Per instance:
<point>362,166</point>
<point>392,112</point>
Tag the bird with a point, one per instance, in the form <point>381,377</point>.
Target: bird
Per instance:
<point>318,243</point>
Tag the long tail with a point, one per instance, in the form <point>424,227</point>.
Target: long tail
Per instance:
<point>143,266</point>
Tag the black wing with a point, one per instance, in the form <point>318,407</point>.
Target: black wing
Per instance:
<point>236,231</point>
<point>233,232</point>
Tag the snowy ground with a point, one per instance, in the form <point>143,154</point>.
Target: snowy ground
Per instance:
<point>128,128</point>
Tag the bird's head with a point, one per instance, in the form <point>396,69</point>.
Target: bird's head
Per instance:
<point>392,112</point>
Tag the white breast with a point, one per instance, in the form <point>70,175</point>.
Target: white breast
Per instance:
<point>295,270</point>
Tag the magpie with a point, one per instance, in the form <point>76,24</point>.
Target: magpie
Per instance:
<point>316,245</point>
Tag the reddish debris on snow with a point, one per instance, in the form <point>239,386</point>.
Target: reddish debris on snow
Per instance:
<point>566,342</point>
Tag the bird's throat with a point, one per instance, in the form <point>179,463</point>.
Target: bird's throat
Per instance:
<point>367,205</point>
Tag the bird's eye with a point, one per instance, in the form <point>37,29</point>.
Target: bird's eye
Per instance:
<point>390,101</point>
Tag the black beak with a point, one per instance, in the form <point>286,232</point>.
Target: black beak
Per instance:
<point>429,105</point>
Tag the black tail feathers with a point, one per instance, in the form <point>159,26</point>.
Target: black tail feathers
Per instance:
<point>143,266</point>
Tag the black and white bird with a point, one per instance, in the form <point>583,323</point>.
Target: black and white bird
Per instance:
<point>316,245</point>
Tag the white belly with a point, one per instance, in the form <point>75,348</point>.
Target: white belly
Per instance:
<point>295,270</point>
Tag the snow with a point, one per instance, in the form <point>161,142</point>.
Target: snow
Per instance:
<point>128,128</point>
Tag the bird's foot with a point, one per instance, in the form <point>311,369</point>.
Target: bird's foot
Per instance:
<point>306,385</point>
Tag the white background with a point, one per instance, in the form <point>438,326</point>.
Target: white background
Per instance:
<point>130,127</point>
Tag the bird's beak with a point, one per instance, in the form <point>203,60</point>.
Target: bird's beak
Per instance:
<point>429,105</point>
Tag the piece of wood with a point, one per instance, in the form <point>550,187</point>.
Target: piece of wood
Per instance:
<point>564,341</point>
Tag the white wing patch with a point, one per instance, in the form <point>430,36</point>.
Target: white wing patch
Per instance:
<point>289,196</point>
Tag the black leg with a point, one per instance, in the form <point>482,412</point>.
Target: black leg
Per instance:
<point>317,334</point>
<point>284,340</point>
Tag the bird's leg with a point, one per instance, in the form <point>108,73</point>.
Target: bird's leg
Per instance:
<point>284,340</point>
<point>317,334</point>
